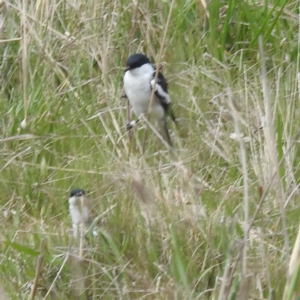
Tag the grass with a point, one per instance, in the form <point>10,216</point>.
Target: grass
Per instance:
<point>217,217</point>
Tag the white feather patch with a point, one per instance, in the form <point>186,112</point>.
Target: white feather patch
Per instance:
<point>161,91</point>
<point>133,123</point>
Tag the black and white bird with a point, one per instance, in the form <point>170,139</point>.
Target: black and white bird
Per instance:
<point>139,81</point>
<point>80,212</point>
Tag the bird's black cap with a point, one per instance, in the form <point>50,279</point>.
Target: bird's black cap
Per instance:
<point>77,193</point>
<point>136,60</point>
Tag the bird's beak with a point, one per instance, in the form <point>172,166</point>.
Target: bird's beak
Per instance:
<point>126,69</point>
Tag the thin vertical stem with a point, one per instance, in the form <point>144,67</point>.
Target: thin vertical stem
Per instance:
<point>158,63</point>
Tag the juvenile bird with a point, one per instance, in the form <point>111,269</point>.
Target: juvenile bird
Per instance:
<point>138,84</point>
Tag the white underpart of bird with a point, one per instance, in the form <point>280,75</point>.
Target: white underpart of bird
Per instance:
<point>80,213</point>
<point>139,81</point>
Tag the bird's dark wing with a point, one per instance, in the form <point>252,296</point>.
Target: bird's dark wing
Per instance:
<point>162,95</point>
<point>161,91</point>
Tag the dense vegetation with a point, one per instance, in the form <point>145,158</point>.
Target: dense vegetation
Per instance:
<point>215,218</point>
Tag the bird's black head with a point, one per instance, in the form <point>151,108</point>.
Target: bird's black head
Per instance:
<point>135,61</point>
<point>77,193</point>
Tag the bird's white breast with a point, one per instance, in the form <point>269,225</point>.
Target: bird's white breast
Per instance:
<point>137,84</point>
<point>79,211</point>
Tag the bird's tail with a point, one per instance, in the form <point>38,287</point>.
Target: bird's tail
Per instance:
<point>171,114</point>
<point>165,132</point>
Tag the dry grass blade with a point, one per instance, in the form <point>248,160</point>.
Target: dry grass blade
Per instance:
<point>134,26</point>
<point>24,46</point>
<point>158,63</point>
<point>243,160</point>
<point>3,295</point>
<point>67,256</point>
<point>271,147</point>
<point>226,278</point>
<point>20,137</point>
<point>38,270</point>
<point>294,266</point>
<point>3,15</point>
<point>14,157</point>
<point>10,40</point>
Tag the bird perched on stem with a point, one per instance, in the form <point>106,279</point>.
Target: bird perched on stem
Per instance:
<point>80,212</point>
<point>139,81</point>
